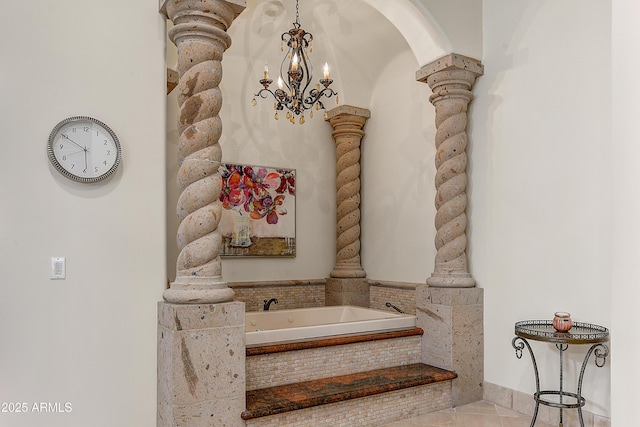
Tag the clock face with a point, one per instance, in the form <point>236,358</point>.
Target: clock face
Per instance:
<point>84,149</point>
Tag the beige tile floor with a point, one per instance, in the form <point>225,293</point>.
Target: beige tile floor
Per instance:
<point>478,414</point>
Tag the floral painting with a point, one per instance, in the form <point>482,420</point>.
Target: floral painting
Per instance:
<point>258,216</point>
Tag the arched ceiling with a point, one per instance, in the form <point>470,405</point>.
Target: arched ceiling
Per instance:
<point>431,28</point>
<point>360,39</point>
<point>425,37</point>
<point>361,36</point>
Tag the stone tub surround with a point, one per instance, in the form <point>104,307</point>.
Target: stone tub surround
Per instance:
<point>452,319</point>
<point>401,294</point>
<point>201,365</point>
<point>347,292</point>
<point>324,292</point>
<point>290,293</point>
<point>292,397</point>
<point>218,328</point>
<point>523,403</point>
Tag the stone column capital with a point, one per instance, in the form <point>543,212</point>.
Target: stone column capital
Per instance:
<point>451,77</point>
<point>347,110</point>
<point>347,120</point>
<point>450,62</point>
<point>236,6</point>
<point>201,20</point>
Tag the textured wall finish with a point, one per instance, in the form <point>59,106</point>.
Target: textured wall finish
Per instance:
<point>199,32</point>
<point>290,294</point>
<point>451,79</point>
<point>452,320</point>
<point>345,291</point>
<point>402,295</point>
<point>201,365</point>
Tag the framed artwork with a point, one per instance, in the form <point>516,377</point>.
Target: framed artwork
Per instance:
<point>259,211</point>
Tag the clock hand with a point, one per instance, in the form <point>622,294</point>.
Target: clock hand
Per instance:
<point>75,143</point>
<point>85,160</point>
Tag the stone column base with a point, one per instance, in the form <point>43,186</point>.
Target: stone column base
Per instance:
<point>452,320</point>
<point>201,365</point>
<point>347,292</point>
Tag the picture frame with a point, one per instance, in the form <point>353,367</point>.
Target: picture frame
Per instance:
<point>259,209</point>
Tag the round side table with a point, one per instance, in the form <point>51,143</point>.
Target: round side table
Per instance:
<point>580,333</point>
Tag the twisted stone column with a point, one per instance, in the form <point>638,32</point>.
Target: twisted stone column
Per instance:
<point>451,79</point>
<point>347,122</point>
<point>201,354</point>
<point>452,318</point>
<point>199,32</point>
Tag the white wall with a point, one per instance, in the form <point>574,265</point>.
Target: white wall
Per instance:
<point>398,169</point>
<point>541,180</point>
<point>89,340</point>
<point>625,292</point>
<point>458,21</point>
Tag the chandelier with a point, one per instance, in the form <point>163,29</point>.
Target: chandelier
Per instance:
<point>296,74</point>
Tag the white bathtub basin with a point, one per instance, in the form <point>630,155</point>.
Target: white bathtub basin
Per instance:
<point>266,327</point>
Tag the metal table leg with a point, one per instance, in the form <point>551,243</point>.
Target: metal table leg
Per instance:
<point>601,352</point>
<point>519,343</point>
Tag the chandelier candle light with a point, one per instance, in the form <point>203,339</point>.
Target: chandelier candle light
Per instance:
<point>296,76</point>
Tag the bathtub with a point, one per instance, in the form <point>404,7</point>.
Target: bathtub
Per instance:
<point>267,327</point>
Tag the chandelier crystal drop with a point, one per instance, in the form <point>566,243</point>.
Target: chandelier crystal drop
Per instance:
<point>296,74</point>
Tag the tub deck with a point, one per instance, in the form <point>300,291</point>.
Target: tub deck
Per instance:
<point>268,327</point>
<point>305,344</point>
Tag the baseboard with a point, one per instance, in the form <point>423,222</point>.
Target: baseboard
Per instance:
<point>524,403</point>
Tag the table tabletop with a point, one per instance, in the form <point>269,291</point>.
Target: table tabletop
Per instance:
<point>543,330</point>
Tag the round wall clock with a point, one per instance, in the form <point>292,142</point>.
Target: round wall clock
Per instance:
<point>84,149</point>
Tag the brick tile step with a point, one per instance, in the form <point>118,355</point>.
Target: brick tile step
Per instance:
<point>291,397</point>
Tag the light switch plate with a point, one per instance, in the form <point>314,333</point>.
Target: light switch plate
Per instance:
<point>58,268</point>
